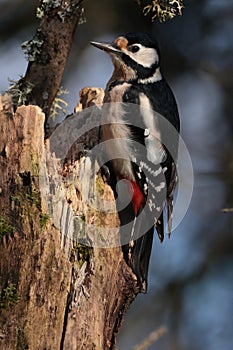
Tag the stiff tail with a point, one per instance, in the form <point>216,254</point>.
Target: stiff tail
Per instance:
<point>136,234</point>
<point>137,227</point>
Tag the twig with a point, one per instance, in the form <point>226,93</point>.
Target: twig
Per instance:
<point>152,338</point>
<point>227,210</point>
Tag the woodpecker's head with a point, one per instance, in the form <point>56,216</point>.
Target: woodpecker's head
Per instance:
<point>135,56</point>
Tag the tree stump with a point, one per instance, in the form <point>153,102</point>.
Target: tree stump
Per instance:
<point>63,280</point>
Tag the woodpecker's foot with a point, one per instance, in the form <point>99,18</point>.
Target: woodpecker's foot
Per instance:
<point>105,173</point>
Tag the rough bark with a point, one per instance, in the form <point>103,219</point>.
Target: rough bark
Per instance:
<point>55,292</point>
<point>48,51</point>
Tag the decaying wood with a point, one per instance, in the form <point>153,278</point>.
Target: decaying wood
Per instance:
<point>67,295</point>
<point>88,97</point>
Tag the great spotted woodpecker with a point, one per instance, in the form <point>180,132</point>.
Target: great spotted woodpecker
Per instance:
<point>138,153</point>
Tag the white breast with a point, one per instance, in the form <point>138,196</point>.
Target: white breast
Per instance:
<point>116,134</point>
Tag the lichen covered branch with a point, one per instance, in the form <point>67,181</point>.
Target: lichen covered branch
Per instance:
<point>162,9</point>
<point>47,53</point>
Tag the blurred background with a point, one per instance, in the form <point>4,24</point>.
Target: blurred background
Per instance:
<point>191,279</point>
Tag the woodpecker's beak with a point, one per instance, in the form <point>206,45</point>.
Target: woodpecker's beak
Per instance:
<point>107,47</point>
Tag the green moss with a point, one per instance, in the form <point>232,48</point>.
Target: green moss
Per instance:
<point>83,253</point>
<point>15,199</point>
<point>26,210</point>
<point>43,220</point>
<point>34,197</point>
<point>5,228</point>
<point>25,199</point>
<point>9,296</point>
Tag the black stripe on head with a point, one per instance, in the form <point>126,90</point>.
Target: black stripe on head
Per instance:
<point>145,40</point>
<point>141,71</point>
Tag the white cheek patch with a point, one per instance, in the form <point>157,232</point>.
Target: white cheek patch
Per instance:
<point>146,56</point>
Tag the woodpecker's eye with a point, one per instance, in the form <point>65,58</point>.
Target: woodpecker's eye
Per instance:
<point>134,48</point>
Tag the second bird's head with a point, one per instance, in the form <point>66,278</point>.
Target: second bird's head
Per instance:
<point>134,55</point>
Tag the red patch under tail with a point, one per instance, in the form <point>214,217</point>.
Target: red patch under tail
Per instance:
<point>138,199</point>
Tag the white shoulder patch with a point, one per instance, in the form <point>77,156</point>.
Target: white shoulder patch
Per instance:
<point>155,150</point>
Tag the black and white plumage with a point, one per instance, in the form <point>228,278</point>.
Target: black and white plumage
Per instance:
<point>140,137</point>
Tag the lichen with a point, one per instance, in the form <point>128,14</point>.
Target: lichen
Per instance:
<point>46,6</point>
<point>59,104</point>
<point>162,9</point>
<point>82,18</point>
<point>64,9</point>
<point>19,91</point>
<point>32,48</point>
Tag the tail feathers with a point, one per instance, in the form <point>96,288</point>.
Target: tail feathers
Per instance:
<point>170,192</point>
<point>136,232</point>
<point>137,228</point>
<point>160,227</point>
<point>169,215</point>
<point>137,247</point>
<point>160,222</point>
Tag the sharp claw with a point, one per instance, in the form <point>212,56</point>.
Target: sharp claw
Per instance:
<point>105,173</point>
